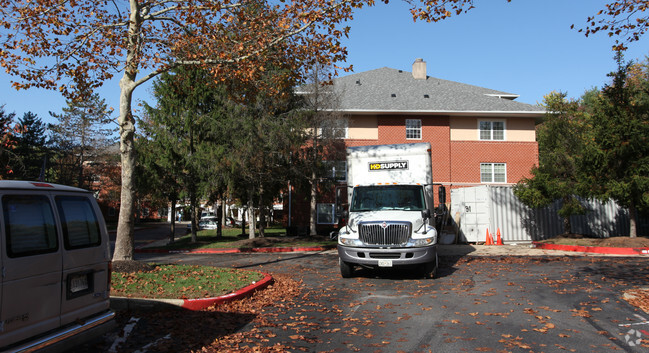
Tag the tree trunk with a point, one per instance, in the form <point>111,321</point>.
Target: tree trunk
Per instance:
<point>633,226</point>
<point>567,226</point>
<point>314,205</point>
<point>243,223</point>
<point>219,218</point>
<point>193,214</point>
<point>124,244</point>
<point>251,216</point>
<point>262,212</point>
<point>172,230</point>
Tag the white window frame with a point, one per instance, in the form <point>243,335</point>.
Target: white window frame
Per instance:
<point>492,173</point>
<point>332,211</point>
<point>338,127</point>
<point>491,129</point>
<point>336,170</point>
<point>414,129</point>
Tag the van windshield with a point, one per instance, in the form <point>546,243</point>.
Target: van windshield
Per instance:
<point>389,197</point>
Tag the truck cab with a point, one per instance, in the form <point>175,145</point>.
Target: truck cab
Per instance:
<point>390,220</point>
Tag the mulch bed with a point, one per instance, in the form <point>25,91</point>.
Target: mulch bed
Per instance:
<point>612,242</point>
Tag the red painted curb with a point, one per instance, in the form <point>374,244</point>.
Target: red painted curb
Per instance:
<point>593,249</point>
<point>235,250</point>
<point>199,304</point>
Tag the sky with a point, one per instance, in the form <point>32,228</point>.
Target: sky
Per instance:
<point>525,47</point>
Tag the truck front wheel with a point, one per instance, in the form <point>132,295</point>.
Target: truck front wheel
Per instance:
<point>346,269</point>
<point>429,270</point>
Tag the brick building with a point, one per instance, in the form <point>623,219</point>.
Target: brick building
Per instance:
<point>478,135</point>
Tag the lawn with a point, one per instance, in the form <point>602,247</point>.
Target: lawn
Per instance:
<point>232,239</point>
<point>181,282</point>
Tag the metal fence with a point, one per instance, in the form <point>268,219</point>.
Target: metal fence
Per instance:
<point>479,208</point>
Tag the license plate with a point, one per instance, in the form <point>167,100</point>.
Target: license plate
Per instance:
<point>385,263</point>
<point>78,283</point>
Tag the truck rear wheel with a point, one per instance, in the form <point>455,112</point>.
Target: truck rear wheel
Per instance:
<point>346,269</point>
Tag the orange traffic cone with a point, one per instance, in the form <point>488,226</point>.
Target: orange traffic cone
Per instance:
<point>499,240</point>
<point>489,240</point>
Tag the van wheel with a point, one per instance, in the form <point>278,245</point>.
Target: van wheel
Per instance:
<point>346,269</point>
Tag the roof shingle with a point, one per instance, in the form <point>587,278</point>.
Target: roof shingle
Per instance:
<point>390,90</point>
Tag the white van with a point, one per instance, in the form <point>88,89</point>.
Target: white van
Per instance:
<point>55,266</point>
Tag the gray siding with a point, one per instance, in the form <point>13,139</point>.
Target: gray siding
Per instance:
<point>501,209</point>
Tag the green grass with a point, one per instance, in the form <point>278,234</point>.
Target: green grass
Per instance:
<point>207,239</point>
<point>181,282</point>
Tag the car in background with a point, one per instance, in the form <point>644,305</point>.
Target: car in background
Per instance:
<point>209,222</point>
<point>233,222</point>
<point>206,214</point>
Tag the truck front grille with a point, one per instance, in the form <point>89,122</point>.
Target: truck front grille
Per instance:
<point>385,233</point>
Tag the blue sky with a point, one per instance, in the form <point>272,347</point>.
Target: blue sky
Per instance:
<point>524,47</point>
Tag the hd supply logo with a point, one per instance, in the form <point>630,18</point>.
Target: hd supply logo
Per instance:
<point>396,165</point>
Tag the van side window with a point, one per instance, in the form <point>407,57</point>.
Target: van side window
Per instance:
<point>29,225</point>
<point>79,222</point>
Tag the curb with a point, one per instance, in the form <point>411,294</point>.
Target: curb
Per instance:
<point>117,303</point>
<point>593,249</point>
<point>235,250</point>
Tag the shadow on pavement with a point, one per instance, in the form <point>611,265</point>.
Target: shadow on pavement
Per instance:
<point>167,329</point>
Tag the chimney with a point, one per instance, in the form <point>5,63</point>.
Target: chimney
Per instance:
<point>419,69</point>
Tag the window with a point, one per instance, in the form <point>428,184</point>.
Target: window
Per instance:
<point>336,170</point>
<point>29,225</point>
<point>413,129</point>
<point>79,222</point>
<point>388,197</point>
<point>335,128</point>
<point>492,130</point>
<point>493,172</point>
<point>326,213</point>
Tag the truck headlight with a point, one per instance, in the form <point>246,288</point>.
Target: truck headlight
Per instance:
<point>348,237</point>
<point>423,242</point>
<point>427,236</point>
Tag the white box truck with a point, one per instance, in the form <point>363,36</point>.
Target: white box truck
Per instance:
<point>390,198</point>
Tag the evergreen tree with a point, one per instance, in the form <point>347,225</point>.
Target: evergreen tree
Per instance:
<point>560,138</point>
<point>81,137</point>
<point>177,131</point>
<point>264,134</point>
<point>616,158</point>
<point>8,157</point>
<point>30,148</point>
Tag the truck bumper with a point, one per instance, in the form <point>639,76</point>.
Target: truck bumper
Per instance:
<point>399,256</point>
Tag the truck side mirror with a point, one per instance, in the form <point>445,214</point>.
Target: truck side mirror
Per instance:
<point>441,193</point>
<point>425,214</point>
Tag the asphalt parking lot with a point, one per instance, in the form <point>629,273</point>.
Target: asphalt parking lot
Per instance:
<point>478,302</point>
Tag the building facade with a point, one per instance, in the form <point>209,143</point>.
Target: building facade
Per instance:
<point>478,135</point>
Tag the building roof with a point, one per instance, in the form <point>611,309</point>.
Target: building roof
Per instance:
<point>387,90</point>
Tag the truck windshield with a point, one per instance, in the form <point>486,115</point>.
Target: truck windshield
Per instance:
<point>389,197</point>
